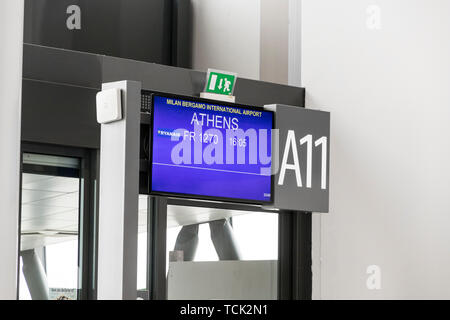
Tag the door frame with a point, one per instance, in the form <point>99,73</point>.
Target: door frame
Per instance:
<point>294,247</point>
<point>88,212</point>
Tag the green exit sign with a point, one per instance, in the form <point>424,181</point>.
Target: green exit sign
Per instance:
<point>220,82</point>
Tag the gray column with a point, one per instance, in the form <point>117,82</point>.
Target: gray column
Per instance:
<point>295,43</point>
<point>118,200</point>
<point>34,274</point>
<point>223,239</point>
<point>187,241</point>
<point>274,26</point>
<point>11,40</point>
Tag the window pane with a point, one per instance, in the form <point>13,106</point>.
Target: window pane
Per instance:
<point>49,244</point>
<point>62,269</point>
<point>231,257</point>
<point>257,235</point>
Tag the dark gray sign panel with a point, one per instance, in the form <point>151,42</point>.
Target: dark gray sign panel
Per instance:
<point>134,29</point>
<point>302,174</point>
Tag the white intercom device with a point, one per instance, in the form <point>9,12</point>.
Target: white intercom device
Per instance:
<point>109,105</point>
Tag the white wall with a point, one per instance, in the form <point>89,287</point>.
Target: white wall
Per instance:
<point>388,91</point>
<point>226,35</point>
<point>11,39</point>
<point>249,37</point>
<point>274,41</point>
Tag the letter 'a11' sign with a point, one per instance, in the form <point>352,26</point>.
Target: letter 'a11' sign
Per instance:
<point>302,168</point>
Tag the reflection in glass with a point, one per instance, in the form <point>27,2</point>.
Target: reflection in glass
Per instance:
<point>233,257</point>
<point>49,242</point>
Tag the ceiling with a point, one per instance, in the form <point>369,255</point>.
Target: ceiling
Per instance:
<point>50,209</point>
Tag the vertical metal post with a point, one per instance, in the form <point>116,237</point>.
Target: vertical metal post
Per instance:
<point>284,255</point>
<point>88,226</point>
<point>157,233</point>
<point>11,43</point>
<point>294,256</point>
<point>118,198</point>
<point>302,267</point>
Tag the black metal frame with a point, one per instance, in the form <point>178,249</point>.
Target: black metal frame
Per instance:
<point>294,246</point>
<point>294,255</point>
<point>156,247</point>
<point>59,108</point>
<point>87,242</point>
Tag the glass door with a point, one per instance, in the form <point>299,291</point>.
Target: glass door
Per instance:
<point>50,227</point>
<point>221,254</point>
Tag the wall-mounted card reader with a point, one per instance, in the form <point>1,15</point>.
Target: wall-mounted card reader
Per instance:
<point>109,105</point>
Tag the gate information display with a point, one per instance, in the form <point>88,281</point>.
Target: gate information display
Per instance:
<point>209,149</point>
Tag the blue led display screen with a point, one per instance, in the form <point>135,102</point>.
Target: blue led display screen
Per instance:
<point>207,149</point>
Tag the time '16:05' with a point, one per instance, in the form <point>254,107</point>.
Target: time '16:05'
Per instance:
<point>240,142</point>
